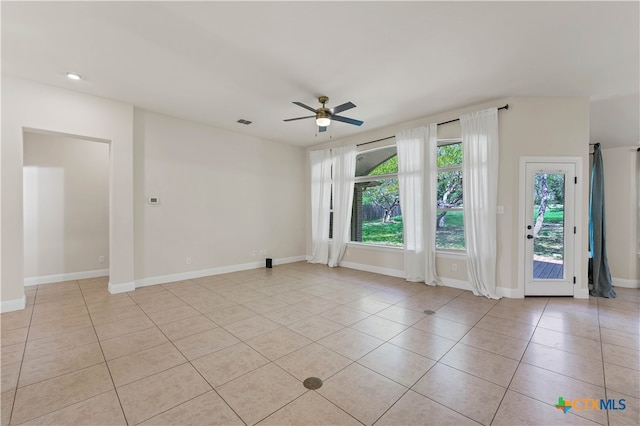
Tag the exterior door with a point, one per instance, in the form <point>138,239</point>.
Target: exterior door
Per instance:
<point>549,229</point>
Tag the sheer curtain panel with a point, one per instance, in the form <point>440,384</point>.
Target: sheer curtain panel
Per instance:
<point>480,188</point>
<point>320,205</point>
<point>417,175</point>
<point>344,172</point>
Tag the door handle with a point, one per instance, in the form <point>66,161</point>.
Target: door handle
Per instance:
<point>529,237</point>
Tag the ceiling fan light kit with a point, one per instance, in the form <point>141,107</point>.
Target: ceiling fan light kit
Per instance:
<point>324,115</point>
<point>323,119</point>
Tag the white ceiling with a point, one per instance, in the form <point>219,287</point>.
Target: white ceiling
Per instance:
<point>217,62</point>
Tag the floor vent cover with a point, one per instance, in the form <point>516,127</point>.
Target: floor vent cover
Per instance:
<point>312,383</point>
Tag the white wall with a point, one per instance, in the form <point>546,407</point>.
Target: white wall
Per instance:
<point>621,210</point>
<point>66,207</point>
<point>27,105</point>
<point>546,126</point>
<point>223,196</point>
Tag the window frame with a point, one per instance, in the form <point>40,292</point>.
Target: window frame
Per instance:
<point>373,178</point>
<point>367,178</point>
<point>447,142</point>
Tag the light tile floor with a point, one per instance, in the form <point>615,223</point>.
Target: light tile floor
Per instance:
<point>235,349</point>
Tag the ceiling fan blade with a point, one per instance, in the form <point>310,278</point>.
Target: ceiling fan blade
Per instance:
<point>305,106</point>
<point>343,107</point>
<point>347,120</point>
<point>322,129</point>
<point>299,118</point>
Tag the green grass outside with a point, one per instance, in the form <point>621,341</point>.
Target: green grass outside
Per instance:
<point>549,242</point>
<point>376,232</point>
<point>451,236</point>
<point>553,214</point>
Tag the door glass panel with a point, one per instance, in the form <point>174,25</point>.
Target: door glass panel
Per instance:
<point>548,226</point>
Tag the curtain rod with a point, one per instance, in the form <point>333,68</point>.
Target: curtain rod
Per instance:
<point>444,122</point>
<point>592,144</point>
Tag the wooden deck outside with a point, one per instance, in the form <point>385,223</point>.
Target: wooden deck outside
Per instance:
<point>547,270</point>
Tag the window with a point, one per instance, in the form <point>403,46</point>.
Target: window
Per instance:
<point>376,217</point>
<point>449,226</point>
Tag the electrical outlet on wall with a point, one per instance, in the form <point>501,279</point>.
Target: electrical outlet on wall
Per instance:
<point>101,259</point>
<point>188,260</point>
<point>454,267</point>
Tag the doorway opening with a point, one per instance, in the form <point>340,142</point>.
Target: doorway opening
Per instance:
<point>66,207</point>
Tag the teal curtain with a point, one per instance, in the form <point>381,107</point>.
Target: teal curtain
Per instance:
<point>599,273</point>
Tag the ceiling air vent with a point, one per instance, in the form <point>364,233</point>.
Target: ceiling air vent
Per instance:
<point>243,121</point>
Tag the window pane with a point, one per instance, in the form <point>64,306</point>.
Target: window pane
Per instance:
<point>450,155</point>
<point>449,189</point>
<point>449,223</point>
<point>388,167</point>
<point>450,230</point>
<point>376,217</point>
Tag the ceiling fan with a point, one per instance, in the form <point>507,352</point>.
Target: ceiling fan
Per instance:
<point>324,115</point>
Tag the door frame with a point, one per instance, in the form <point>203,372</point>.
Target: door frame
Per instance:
<point>563,286</point>
<point>578,251</point>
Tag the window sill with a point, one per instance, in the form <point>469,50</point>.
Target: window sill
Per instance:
<point>376,247</point>
<point>445,254</point>
<point>451,254</point>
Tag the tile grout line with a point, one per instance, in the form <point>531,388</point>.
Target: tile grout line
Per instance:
<point>24,350</point>
<point>278,366</point>
<point>53,377</point>
<point>188,361</point>
<point>449,350</point>
<point>409,388</point>
<point>457,297</point>
<point>604,371</point>
<point>508,387</point>
<point>104,357</point>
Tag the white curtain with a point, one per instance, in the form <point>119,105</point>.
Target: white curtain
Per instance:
<point>320,205</point>
<point>480,188</point>
<point>344,172</point>
<point>417,178</point>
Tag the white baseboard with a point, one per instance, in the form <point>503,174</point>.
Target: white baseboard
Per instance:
<point>13,305</point>
<point>375,269</point>
<point>48,279</point>
<point>448,282</point>
<point>121,288</point>
<point>163,279</point>
<point>620,282</point>
<point>510,293</point>
<point>452,282</point>
<point>292,259</point>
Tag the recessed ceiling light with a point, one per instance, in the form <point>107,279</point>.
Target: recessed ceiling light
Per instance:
<point>74,76</point>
